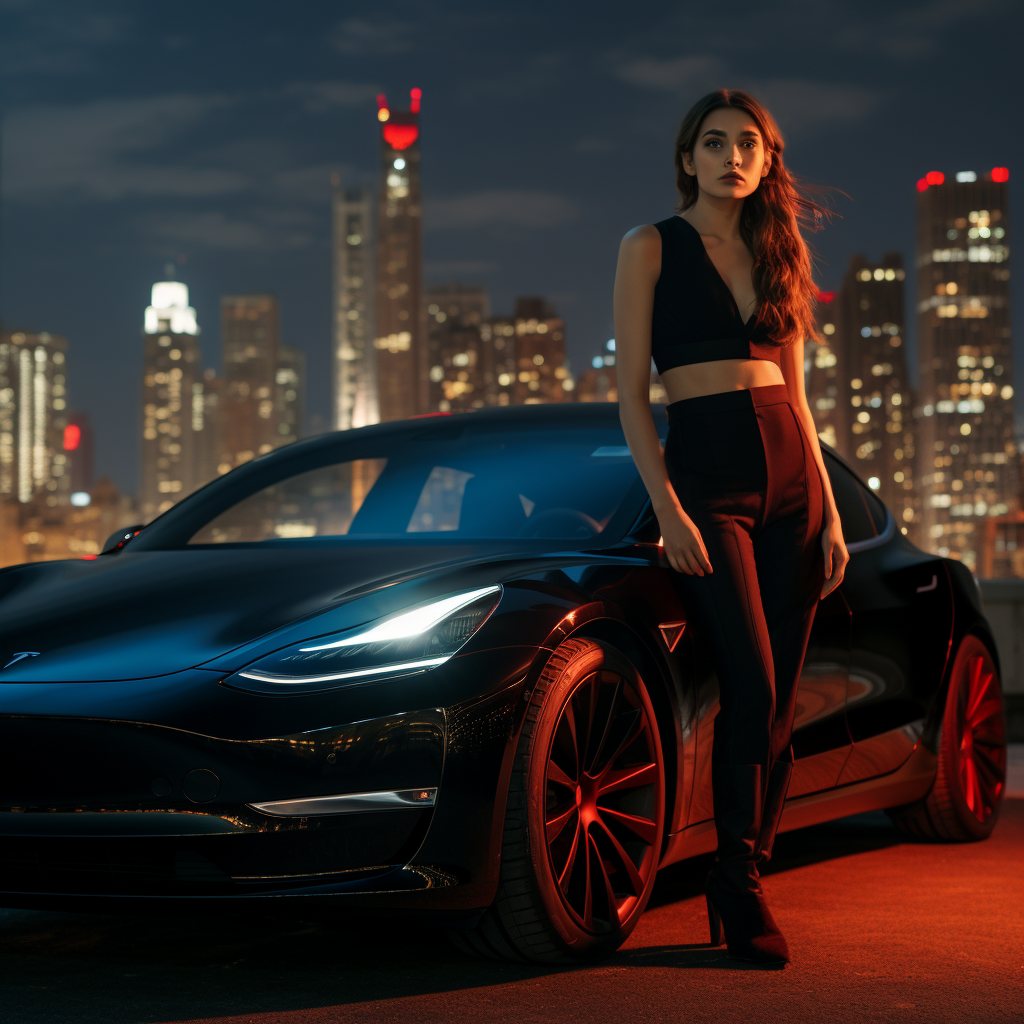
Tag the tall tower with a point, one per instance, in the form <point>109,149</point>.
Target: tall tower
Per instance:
<point>874,389</point>
<point>529,357</point>
<point>290,394</point>
<point>967,458</point>
<point>355,358</point>
<point>250,327</point>
<point>170,376</point>
<point>33,415</point>
<point>402,365</point>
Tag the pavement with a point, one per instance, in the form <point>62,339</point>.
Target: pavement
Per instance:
<point>880,929</point>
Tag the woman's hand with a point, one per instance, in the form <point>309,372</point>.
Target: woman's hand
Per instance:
<point>683,545</point>
<point>836,555</point>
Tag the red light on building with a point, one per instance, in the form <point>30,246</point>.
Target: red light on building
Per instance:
<point>416,95</point>
<point>826,297</point>
<point>72,437</point>
<point>400,136</point>
<point>922,185</point>
<point>1000,173</point>
<point>382,107</point>
<point>935,177</point>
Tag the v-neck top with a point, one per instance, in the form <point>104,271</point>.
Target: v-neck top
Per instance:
<point>695,317</point>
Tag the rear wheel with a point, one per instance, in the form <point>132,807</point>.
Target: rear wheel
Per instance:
<point>585,814</point>
<point>971,776</point>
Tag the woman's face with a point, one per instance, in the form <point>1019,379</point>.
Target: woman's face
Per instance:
<point>729,158</point>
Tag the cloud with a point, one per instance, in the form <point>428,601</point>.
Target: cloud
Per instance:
<point>675,75</point>
<point>104,150</point>
<point>796,103</point>
<point>519,207</point>
<point>260,229</point>
<point>323,96</point>
<point>359,37</point>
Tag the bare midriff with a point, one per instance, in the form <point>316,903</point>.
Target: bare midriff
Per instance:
<point>695,379</point>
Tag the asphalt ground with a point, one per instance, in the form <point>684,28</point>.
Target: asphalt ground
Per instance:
<point>880,929</point>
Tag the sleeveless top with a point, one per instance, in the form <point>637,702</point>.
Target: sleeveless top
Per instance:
<point>695,318</point>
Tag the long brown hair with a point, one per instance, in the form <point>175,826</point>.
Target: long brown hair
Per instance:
<point>769,222</point>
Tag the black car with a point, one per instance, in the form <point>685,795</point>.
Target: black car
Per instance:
<point>442,665</point>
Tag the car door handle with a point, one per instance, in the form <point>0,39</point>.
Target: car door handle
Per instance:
<point>929,586</point>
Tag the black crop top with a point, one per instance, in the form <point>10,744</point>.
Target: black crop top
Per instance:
<point>695,318</point>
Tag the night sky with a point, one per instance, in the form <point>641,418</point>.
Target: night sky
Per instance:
<point>206,133</point>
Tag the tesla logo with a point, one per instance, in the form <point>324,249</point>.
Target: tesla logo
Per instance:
<point>20,656</point>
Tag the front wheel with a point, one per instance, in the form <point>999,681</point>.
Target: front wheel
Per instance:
<point>971,774</point>
<point>585,814</point>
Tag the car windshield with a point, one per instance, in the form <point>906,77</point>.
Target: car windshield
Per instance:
<point>472,482</point>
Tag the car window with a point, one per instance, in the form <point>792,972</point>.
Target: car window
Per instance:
<point>852,502</point>
<point>559,483</point>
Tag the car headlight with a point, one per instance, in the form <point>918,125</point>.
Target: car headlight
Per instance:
<point>411,641</point>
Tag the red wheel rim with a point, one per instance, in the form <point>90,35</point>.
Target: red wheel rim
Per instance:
<point>603,801</point>
<point>981,752</point>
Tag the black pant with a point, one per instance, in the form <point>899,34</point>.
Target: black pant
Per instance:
<point>744,472</point>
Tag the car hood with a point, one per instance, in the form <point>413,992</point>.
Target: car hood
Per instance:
<point>151,613</point>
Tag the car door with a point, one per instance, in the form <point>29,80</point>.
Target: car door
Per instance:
<point>901,610</point>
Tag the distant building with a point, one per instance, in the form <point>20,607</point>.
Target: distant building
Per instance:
<point>80,448</point>
<point>290,393</point>
<point>873,412</point>
<point>353,274</point>
<point>402,368</point>
<point>529,354</point>
<point>171,393</point>
<point>599,383</point>
<point>33,415</point>
<point>462,374</point>
<point>967,462</point>
<point>826,381</point>
<point>250,330</point>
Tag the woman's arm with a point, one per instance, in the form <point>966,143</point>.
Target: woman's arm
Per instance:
<point>836,555</point>
<point>638,270</point>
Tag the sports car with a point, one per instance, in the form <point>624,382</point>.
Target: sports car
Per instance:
<point>441,665</point>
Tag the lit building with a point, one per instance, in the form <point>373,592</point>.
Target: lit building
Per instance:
<point>403,383</point>
<point>33,415</point>
<point>967,465</point>
<point>825,379</point>
<point>599,383</point>
<point>462,374</point>
<point>355,358</point>
<point>873,414</point>
<point>529,355</point>
<point>171,396</point>
<point>250,328</point>
<point>290,393</point>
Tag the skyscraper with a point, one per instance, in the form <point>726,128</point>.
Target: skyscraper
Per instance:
<point>873,414</point>
<point>290,394</point>
<point>79,444</point>
<point>171,371</point>
<point>250,328</point>
<point>33,415</point>
<point>826,380</point>
<point>462,374</point>
<point>967,457</point>
<point>402,368</point>
<point>355,358</point>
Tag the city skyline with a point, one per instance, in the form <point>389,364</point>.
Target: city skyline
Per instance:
<point>537,154</point>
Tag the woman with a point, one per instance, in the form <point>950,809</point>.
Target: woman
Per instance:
<point>721,295</point>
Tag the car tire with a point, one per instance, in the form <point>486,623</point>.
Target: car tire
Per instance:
<point>584,820</point>
<point>970,778</point>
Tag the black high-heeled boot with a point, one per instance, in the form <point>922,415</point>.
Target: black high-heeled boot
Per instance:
<point>733,891</point>
<point>771,812</point>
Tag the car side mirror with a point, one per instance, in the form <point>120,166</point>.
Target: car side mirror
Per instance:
<point>119,538</point>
